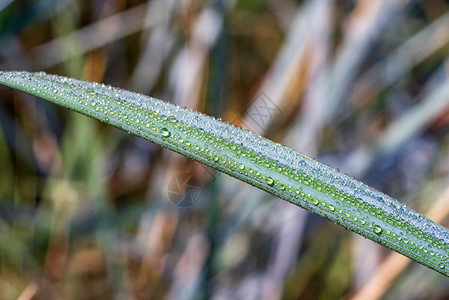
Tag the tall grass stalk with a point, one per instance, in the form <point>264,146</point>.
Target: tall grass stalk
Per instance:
<point>252,159</point>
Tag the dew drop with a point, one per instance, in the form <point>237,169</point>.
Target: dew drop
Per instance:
<point>241,167</point>
<point>270,181</point>
<point>442,266</point>
<point>377,229</point>
<point>165,132</point>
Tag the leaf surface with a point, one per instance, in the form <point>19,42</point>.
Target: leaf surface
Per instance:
<point>253,159</point>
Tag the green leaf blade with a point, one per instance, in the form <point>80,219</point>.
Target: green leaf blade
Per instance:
<point>252,159</point>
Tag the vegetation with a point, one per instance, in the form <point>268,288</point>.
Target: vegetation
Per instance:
<point>88,211</point>
<point>253,159</point>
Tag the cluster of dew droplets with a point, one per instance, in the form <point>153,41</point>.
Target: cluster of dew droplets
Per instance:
<point>264,163</point>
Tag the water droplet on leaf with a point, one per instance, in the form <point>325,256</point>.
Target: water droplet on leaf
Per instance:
<point>377,229</point>
<point>165,132</point>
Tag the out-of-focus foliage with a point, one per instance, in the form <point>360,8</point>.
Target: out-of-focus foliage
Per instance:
<point>87,212</point>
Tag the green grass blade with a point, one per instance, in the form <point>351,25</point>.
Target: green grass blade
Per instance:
<point>252,159</point>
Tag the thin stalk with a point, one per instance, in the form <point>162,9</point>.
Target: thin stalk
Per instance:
<point>253,159</point>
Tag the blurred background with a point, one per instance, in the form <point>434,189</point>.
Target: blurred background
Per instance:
<point>90,212</point>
